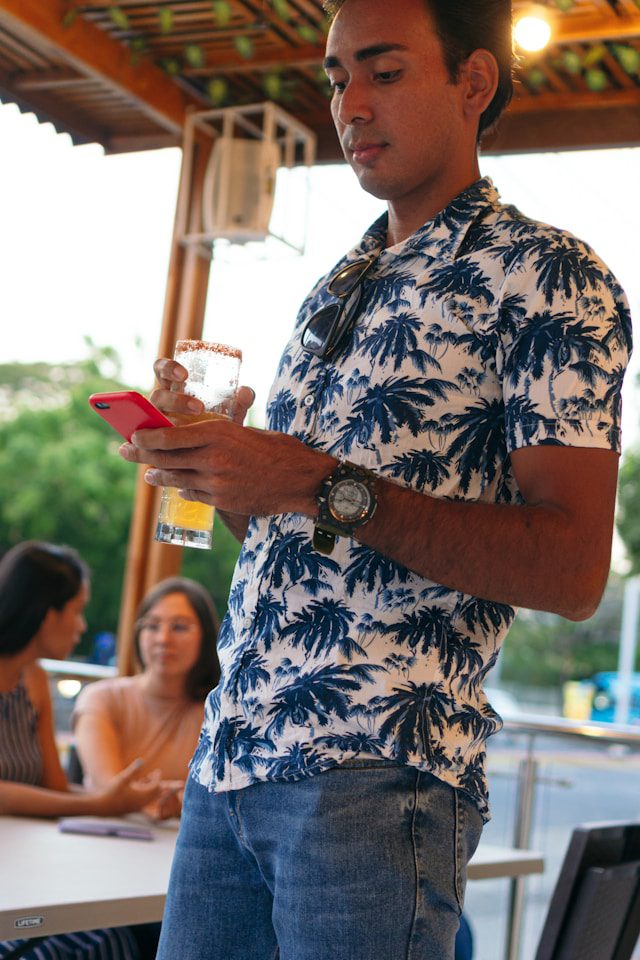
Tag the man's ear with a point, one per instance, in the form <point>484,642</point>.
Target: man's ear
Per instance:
<point>480,75</point>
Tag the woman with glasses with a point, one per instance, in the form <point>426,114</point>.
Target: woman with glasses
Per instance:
<point>155,715</point>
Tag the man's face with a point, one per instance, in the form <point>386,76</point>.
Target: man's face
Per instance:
<point>399,118</point>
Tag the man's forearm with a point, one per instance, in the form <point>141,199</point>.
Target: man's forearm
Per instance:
<point>524,556</point>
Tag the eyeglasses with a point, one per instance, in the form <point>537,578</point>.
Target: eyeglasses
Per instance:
<point>328,327</point>
<point>175,626</point>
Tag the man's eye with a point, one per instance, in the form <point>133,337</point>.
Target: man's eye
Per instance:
<point>388,76</point>
<point>337,86</point>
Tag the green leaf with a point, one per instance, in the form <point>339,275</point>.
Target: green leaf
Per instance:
<point>119,18</point>
<point>194,55</point>
<point>594,55</point>
<point>217,89</point>
<point>171,66</point>
<point>571,62</point>
<point>282,8</point>
<point>536,78</point>
<point>139,44</point>
<point>308,33</point>
<point>70,17</point>
<point>272,86</point>
<point>222,12</point>
<point>628,58</point>
<point>165,19</point>
<point>244,46</point>
<point>597,80</point>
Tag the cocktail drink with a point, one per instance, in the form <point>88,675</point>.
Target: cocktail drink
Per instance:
<point>213,370</point>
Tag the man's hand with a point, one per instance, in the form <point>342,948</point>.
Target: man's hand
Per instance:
<point>167,397</point>
<point>238,469</point>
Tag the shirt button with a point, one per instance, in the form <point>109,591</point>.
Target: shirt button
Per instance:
<point>246,623</point>
<point>309,400</point>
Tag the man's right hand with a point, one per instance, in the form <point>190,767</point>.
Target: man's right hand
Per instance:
<point>168,397</point>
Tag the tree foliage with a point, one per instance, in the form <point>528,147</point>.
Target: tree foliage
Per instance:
<point>629,507</point>
<point>546,650</point>
<point>62,480</point>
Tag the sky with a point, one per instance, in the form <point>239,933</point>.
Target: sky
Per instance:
<point>85,241</point>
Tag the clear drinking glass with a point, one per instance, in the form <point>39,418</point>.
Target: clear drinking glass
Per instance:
<point>213,370</point>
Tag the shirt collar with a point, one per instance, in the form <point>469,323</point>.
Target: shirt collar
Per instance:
<point>444,234</point>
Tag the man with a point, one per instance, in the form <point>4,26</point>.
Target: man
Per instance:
<point>444,448</point>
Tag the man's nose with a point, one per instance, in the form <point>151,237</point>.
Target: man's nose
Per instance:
<point>354,105</point>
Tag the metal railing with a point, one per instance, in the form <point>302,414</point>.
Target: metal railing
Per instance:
<point>532,727</point>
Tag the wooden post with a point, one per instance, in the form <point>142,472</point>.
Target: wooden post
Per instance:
<point>148,561</point>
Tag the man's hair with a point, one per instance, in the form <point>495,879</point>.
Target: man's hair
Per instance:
<point>464,26</point>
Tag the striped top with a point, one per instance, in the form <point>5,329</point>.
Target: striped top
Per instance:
<point>20,753</point>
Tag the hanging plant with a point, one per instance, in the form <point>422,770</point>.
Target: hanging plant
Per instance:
<point>596,79</point>
<point>119,18</point>
<point>221,12</point>
<point>194,55</point>
<point>244,46</point>
<point>628,58</point>
<point>272,85</point>
<point>536,79</point>
<point>165,20</point>
<point>218,90</point>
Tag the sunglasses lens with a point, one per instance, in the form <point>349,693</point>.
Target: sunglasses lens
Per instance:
<point>343,283</point>
<point>318,330</point>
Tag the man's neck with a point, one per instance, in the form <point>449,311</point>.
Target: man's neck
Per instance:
<point>410,213</point>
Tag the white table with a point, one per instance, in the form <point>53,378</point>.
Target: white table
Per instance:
<point>53,882</point>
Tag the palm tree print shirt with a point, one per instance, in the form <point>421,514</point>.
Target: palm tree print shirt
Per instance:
<point>481,333</point>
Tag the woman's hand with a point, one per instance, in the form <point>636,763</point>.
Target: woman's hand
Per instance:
<point>125,794</point>
<point>169,802</point>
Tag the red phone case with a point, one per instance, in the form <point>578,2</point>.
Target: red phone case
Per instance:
<point>127,411</point>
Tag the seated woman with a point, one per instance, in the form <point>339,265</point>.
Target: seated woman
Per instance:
<point>43,592</point>
<point>157,714</point>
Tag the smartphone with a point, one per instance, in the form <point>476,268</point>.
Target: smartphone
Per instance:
<point>127,411</point>
<point>105,828</point>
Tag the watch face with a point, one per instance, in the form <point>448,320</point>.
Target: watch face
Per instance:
<point>348,500</point>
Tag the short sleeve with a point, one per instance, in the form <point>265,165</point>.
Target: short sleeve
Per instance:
<point>96,699</point>
<point>565,332</point>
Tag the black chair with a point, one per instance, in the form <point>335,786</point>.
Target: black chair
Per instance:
<point>595,908</point>
<point>74,771</point>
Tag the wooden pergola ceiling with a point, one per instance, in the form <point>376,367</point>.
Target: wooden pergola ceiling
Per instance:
<point>124,75</point>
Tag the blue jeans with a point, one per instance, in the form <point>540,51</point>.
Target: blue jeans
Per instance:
<point>366,861</point>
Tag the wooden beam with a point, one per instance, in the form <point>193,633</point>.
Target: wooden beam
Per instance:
<point>92,52</point>
<point>584,29</point>
<point>557,102</point>
<point>132,143</point>
<point>148,561</point>
<point>565,130</point>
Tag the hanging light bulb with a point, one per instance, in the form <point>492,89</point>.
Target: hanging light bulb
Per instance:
<point>532,32</point>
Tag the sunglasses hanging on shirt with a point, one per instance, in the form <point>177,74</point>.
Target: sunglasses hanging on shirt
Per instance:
<point>327,329</point>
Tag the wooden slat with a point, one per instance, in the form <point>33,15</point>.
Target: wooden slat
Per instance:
<point>90,51</point>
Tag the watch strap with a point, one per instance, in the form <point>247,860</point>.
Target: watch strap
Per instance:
<point>323,540</point>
